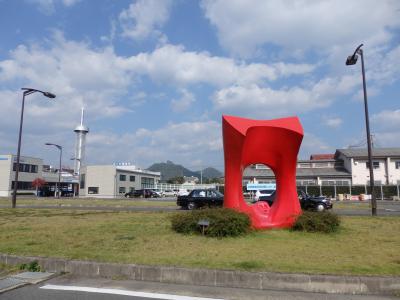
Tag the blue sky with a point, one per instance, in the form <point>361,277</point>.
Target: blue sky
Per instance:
<point>156,76</point>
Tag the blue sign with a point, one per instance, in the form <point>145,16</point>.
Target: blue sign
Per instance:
<point>3,158</point>
<point>261,186</point>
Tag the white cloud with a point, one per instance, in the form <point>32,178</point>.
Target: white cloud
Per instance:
<point>265,102</point>
<point>333,122</point>
<point>48,6</point>
<point>143,18</point>
<point>179,142</point>
<point>78,75</point>
<point>200,67</point>
<point>313,145</point>
<point>387,139</point>
<point>183,103</point>
<point>245,25</point>
<point>387,119</point>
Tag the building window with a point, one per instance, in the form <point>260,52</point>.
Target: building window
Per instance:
<point>82,181</point>
<point>375,164</point>
<point>132,178</point>
<point>328,182</point>
<point>23,185</point>
<point>122,190</point>
<point>261,167</point>
<point>397,163</point>
<point>147,181</point>
<point>93,190</point>
<point>34,169</point>
<point>122,177</point>
<point>131,189</point>
<point>304,165</point>
<point>26,168</point>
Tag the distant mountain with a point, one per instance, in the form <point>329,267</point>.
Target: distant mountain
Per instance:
<point>210,173</point>
<point>170,170</point>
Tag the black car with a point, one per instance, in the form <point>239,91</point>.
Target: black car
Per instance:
<point>318,203</point>
<point>145,193</point>
<point>199,198</point>
<point>268,198</point>
<point>307,202</point>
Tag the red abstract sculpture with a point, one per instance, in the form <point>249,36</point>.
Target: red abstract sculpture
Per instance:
<point>274,143</point>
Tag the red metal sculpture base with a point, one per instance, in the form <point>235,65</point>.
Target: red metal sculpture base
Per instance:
<point>274,143</point>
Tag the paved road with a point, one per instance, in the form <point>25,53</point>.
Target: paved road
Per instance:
<point>158,291</point>
<point>385,208</point>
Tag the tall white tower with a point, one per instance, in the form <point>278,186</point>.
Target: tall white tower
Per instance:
<point>81,131</point>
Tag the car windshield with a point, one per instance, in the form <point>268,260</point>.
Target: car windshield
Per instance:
<point>267,191</point>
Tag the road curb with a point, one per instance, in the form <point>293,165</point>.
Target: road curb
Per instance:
<point>217,278</point>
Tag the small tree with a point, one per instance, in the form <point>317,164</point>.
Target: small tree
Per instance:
<point>38,183</point>
<point>176,180</point>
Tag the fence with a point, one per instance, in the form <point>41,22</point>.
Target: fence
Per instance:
<point>332,191</point>
<point>168,186</point>
<point>380,192</point>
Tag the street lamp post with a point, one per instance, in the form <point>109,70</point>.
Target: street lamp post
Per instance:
<point>27,91</point>
<point>352,60</point>
<point>58,188</point>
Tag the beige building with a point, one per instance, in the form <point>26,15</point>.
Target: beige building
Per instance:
<point>110,181</point>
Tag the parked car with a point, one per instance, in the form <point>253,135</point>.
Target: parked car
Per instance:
<point>318,203</point>
<point>261,193</point>
<point>183,192</point>
<point>158,193</point>
<point>307,202</point>
<point>143,193</point>
<point>269,198</point>
<point>200,198</point>
<point>169,193</point>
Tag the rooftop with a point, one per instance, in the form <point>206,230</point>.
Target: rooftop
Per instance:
<point>363,152</point>
<point>316,172</point>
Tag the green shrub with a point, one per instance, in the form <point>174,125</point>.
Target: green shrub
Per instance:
<point>310,221</point>
<point>33,266</point>
<point>222,222</point>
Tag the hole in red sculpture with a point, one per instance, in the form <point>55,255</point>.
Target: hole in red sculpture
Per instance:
<point>259,184</point>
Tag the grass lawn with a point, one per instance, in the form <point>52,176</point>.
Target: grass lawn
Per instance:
<point>365,245</point>
<point>89,202</point>
<point>352,205</point>
<point>6,270</point>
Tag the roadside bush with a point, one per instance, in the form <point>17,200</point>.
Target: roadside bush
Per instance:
<point>223,222</point>
<point>325,222</point>
<point>33,266</point>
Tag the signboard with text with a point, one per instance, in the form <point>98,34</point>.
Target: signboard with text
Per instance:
<point>261,186</point>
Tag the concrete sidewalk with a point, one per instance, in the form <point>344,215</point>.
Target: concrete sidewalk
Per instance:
<point>218,278</point>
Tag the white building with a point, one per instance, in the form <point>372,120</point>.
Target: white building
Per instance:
<point>345,167</point>
<point>385,161</point>
<point>110,181</point>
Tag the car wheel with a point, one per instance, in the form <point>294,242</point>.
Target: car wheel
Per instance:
<point>320,207</point>
<point>191,206</point>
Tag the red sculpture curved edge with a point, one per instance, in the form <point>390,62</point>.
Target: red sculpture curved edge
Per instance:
<point>274,143</point>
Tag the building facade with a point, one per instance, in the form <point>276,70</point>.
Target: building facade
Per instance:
<point>385,161</point>
<point>110,181</point>
<point>346,167</point>
<point>30,168</point>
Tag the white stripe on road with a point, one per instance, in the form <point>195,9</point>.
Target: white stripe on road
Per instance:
<point>121,292</point>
